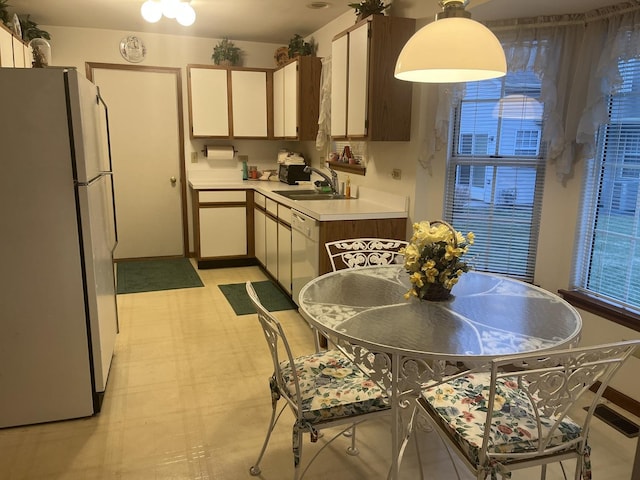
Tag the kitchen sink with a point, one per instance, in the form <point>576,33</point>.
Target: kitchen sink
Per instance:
<point>308,195</point>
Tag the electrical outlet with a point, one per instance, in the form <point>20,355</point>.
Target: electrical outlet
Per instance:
<point>194,157</point>
<point>396,174</point>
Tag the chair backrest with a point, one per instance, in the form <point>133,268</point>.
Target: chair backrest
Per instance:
<point>280,350</point>
<point>553,382</point>
<point>364,252</point>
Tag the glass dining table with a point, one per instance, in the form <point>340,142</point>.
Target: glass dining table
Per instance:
<point>407,344</point>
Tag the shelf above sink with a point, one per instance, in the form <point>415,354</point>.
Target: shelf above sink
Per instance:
<point>309,195</point>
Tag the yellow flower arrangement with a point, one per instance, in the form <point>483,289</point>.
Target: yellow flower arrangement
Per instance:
<point>433,259</point>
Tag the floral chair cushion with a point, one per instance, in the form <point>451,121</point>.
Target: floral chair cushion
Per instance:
<point>332,387</point>
<point>461,407</point>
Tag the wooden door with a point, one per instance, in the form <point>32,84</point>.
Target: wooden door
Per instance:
<point>145,123</point>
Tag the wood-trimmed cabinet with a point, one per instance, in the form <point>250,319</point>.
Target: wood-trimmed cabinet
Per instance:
<point>14,52</point>
<point>367,101</point>
<point>230,102</point>
<point>272,237</point>
<point>296,99</point>
<point>223,226</point>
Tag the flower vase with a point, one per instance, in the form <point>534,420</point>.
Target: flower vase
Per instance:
<point>434,292</point>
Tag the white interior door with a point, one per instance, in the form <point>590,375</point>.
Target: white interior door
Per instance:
<point>144,113</point>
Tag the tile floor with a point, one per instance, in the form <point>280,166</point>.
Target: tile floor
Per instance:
<point>188,399</point>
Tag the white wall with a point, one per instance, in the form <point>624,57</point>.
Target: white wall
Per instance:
<point>74,46</point>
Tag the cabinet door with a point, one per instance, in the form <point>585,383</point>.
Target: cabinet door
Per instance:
<point>291,100</point>
<point>6,48</point>
<point>271,237</point>
<point>208,102</point>
<point>223,231</point>
<point>358,89</point>
<point>339,62</point>
<point>284,256</point>
<point>278,103</point>
<point>249,103</point>
<point>18,53</point>
<point>260,236</point>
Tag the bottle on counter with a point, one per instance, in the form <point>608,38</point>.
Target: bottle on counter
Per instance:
<point>347,188</point>
<point>245,171</point>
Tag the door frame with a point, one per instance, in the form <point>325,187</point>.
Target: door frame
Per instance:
<point>90,66</point>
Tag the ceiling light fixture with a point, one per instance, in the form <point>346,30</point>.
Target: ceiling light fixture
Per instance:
<point>451,49</point>
<point>318,5</point>
<point>153,10</point>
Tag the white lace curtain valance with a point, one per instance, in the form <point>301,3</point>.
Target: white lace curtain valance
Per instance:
<point>564,51</point>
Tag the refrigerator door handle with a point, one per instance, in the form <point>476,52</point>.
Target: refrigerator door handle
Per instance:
<point>99,100</point>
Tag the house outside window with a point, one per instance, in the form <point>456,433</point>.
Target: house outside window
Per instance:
<point>495,172</point>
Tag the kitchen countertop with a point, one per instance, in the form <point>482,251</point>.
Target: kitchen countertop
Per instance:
<point>370,204</point>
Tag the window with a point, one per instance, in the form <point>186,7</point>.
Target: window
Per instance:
<point>608,263</point>
<point>495,172</point>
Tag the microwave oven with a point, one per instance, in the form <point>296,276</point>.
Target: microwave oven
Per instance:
<point>292,174</point>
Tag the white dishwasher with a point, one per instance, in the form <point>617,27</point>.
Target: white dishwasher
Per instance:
<point>305,234</point>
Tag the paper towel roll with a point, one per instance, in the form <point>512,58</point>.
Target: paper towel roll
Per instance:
<point>219,153</point>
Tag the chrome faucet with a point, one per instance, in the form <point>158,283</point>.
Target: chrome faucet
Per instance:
<point>333,180</point>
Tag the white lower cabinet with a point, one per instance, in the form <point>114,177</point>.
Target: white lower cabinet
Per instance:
<point>220,220</point>
<point>271,238</point>
<point>284,247</point>
<point>223,231</point>
<point>272,234</point>
<point>259,220</point>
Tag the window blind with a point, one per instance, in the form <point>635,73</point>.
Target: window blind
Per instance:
<point>495,172</point>
<point>608,259</point>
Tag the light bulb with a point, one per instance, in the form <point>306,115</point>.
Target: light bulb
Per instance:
<point>151,11</point>
<point>186,15</point>
<point>170,8</point>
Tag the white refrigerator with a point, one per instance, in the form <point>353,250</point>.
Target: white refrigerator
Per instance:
<point>58,312</point>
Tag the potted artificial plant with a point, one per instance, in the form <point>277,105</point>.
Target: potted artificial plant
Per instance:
<point>4,12</point>
<point>226,53</point>
<point>368,7</point>
<point>299,48</point>
<point>30,29</point>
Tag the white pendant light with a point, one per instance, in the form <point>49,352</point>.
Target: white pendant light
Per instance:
<point>186,15</point>
<point>451,49</point>
<point>151,11</point>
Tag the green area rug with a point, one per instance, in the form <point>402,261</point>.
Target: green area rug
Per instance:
<point>269,294</point>
<point>151,275</point>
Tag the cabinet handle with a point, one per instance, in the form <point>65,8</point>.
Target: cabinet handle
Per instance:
<point>173,180</point>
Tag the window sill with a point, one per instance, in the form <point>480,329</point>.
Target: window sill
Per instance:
<point>601,308</point>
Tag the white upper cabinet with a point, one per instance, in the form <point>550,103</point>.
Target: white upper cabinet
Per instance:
<point>296,99</point>
<point>6,47</point>
<point>339,64</point>
<point>357,90</point>
<point>249,101</point>
<point>278,103</point>
<point>290,98</point>
<point>367,101</point>
<point>208,102</point>
<point>18,53</point>
<point>228,102</point>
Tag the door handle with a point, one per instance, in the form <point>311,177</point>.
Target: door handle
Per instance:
<point>173,180</point>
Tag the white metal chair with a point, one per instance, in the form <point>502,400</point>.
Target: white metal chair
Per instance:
<point>323,390</point>
<point>364,252</point>
<point>515,415</point>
